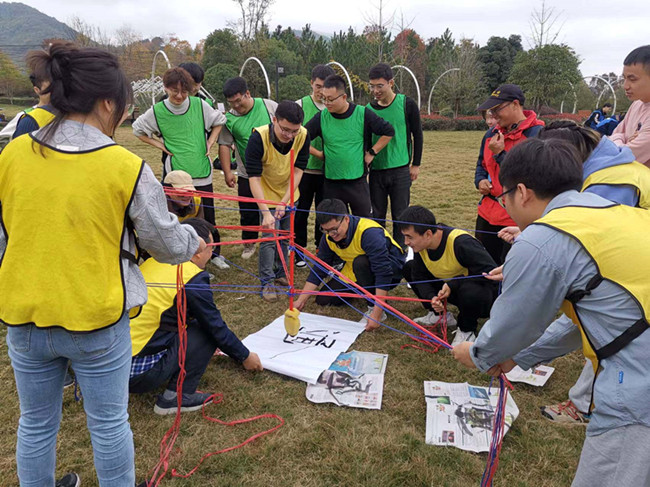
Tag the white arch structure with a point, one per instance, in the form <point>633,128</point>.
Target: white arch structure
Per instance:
<point>575,95</point>
<point>434,87</point>
<point>155,89</point>
<point>346,75</point>
<point>266,77</point>
<point>417,85</point>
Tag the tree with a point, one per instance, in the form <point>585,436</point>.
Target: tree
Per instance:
<point>379,25</point>
<point>12,81</point>
<point>221,46</point>
<point>440,51</point>
<point>409,50</point>
<point>544,73</point>
<point>543,26</point>
<point>253,16</point>
<point>293,87</point>
<point>497,58</point>
<point>215,78</point>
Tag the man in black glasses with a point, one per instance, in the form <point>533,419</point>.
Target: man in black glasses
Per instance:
<point>373,259</point>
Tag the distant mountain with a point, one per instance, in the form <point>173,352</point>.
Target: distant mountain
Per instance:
<point>23,28</point>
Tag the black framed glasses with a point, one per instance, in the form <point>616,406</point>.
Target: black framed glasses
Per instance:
<point>500,197</point>
<point>332,231</point>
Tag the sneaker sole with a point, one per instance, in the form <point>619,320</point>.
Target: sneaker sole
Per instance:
<point>184,409</point>
<point>548,417</point>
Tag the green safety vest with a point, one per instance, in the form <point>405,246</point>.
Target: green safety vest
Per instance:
<point>310,109</point>
<point>398,151</point>
<point>241,126</point>
<point>184,136</point>
<point>343,144</point>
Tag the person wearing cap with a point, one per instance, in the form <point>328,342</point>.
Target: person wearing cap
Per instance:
<point>186,205</point>
<point>514,125</point>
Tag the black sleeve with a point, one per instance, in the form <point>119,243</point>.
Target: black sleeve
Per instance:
<point>26,125</point>
<point>414,123</point>
<point>472,255</point>
<point>313,127</point>
<point>254,154</point>
<point>374,124</point>
<point>303,156</point>
<point>480,173</point>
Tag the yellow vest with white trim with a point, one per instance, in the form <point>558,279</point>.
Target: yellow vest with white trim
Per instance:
<point>447,266</point>
<point>161,290</point>
<point>62,265</point>
<point>41,116</point>
<point>276,167</point>
<point>355,250</point>
<point>617,239</point>
<point>631,174</point>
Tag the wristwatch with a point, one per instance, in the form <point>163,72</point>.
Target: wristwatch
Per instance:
<point>372,152</point>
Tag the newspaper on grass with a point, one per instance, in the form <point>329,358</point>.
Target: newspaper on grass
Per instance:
<point>461,415</point>
<point>537,376</point>
<point>355,379</point>
<point>319,341</point>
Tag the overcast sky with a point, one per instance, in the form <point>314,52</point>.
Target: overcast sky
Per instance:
<point>602,32</point>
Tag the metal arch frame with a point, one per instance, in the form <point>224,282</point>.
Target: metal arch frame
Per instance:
<point>417,85</point>
<point>611,88</point>
<point>153,71</point>
<point>266,77</point>
<point>346,75</point>
<point>575,99</point>
<point>434,87</point>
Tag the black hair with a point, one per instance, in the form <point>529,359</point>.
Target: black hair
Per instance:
<point>584,139</point>
<point>321,71</point>
<point>608,105</point>
<point>290,111</point>
<point>418,217</point>
<point>235,86</point>
<point>381,70</point>
<point>202,227</point>
<point>547,166</point>
<point>330,209</point>
<point>640,55</point>
<point>334,81</point>
<point>79,78</point>
<point>174,76</point>
<point>195,70</point>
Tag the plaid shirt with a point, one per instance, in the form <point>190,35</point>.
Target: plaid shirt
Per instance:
<point>139,365</point>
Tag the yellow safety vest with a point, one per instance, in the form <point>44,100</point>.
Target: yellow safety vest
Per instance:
<point>161,290</point>
<point>631,174</point>
<point>41,116</point>
<point>62,265</point>
<point>354,250</point>
<point>276,167</point>
<point>447,266</point>
<point>617,239</point>
<point>197,207</point>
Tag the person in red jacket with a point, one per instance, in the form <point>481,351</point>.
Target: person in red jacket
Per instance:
<point>514,125</point>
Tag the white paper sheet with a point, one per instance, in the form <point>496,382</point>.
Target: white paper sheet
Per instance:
<point>319,342</point>
<point>537,376</point>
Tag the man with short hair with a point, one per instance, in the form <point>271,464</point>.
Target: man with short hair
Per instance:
<point>390,173</point>
<point>40,115</point>
<point>245,114</point>
<point>442,254</point>
<point>154,331</point>
<point>634,130</point>
<point>268,163</point>
<point>372,258</point>
<point>514,125</point>
<point>198,75</point>
<point>311,184</point>
<point>598,115</point>
<point>580,253</point>
<point>346,130</point>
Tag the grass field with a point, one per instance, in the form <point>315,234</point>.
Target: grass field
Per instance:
<point>325,445</point>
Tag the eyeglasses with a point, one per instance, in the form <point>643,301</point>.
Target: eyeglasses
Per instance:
<point>287,132</point>
<point>500,198</point>
<point>373,87</point>
<point>498,108</point>
<point>237,101</point>
<point>327,101</point>
<point>332,231</point>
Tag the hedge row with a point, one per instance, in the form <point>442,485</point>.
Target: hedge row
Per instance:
<point>436,122</point>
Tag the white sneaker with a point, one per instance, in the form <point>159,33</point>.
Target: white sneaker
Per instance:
<point>365,318</point>
<point>220,262</point>
<point>462,336</point>
<point>301,263</point>
<point>248,252</point>
<point>451,321</point>
<point>431,318</point>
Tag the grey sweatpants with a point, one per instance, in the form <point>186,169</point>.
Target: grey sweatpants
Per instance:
<point>617,458</point>
<point>580,393</point>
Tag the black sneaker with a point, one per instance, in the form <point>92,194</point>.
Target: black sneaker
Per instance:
<point>191,402</point>
<point>69,480</point>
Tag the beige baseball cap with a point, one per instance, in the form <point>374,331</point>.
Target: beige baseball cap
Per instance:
<point>179,180</point>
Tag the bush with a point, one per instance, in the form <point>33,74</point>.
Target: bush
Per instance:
<point>216,76</point>
<point>438,122</point>
<point>293,87</point>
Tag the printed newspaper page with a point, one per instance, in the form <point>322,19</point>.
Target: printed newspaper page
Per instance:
<point>461,415</point>
<point>537,376</point>
<point>355,379</point>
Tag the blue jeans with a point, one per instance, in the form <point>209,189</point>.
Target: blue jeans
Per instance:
<point>101,361</point>
<point>270,265</point>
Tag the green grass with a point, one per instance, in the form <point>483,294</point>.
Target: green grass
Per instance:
<point>326,445</point>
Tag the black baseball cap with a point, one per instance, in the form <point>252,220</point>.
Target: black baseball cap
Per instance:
<point>503,94</point>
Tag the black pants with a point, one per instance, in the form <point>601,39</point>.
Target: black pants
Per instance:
<point>354,193</point>
<point>365,279</point>
<point>208,204</point>
<point>496,247</point>
<point>311,190</point>
<point>200,349</point>
<point>248,212</point>
<point>472,297</point>
<point>396,185</point>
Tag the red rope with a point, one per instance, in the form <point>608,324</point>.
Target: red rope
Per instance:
<point>253,228</point>
<point>252,240</point>
<point>218,196</point>
<point>292,233</point>
<point>354,295</point>
<point>440,328</point>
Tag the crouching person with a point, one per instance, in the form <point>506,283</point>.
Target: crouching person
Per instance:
<point>154,331</point>
<point>443,253</point>
<point>372,258</point>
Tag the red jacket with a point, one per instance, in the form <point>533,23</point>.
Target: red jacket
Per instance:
<point>489,208</point>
